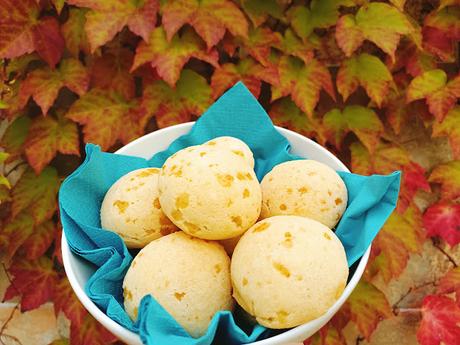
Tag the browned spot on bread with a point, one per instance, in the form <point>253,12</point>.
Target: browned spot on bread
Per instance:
<point>121,205</point>
<point>238,153</point>
<point>311,174</point>
<point>323,202</point>
<point>237,220</point>
<point>245,282</point>
<point>127,294</point>
<point>211,143</point>
<point>282,269</point>
<point>281,315</point>
<point>299,277</point>
<point>140,254</point>
<point>128,220</point>
<point>302,190</point>
<point>156,203</point>
<point>136,311</point>
<point>202,154</point>
<point>329,192</point>
<point>246,193</point>
<point>249,177</point>
<point>339,291</point>
<point>287,243</point>
<point>182,201</point>
<point>179,295</point>
<point>192,228</point>
<point>167,229</point>
<point>270,179</point>
<point>283,207</point>
<point>261,227</point>
<point>289,190</point>
<point>151,231</point>
<point>324,209</point>
<point>147,172</point>
<point>225,180</point>
<point>176,214</point>
<point>337,217</point>
<point>229,202</point>
<point>338,201</point>
<point>244,176</point>
<point>287,235</point>
<point>134,263</point>
<point>326,236</point>
<point>217,268</point>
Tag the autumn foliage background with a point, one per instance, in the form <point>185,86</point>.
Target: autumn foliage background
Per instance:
<point>359,77</point>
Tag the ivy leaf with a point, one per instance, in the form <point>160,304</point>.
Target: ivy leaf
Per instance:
<point>39,241</point>
<point>362,121</point>
<point>402,234</point>
<point>291,45</point>
<point>107,18</point>
<point>367,71</point>
<point>36,194</point>
<point>448,175</point>
<point>44,84</point>
<point>34,281</point>
<point>285,113</point>
<point>66,301</point>
<point>57,253</point>
<point>46,137</point>
<point>259,42</point>
<point>443,219</point>
<point>446,3</point>
<point>259,10</point>
<point>15,136</point>
<point>90,332</point>
<point>106,117</point>
<point>367,305</point>
<point>192,96</point>
<point>111,72</point>
<point>22,32</point>
<point>170,57</point>
<point>58,5</point>
<point>73,31</point>
<point>439,323</point>
<point>440,95</point>
<point>303,82</point>
<point>15,233</point>
<point>321,14</point>
<point>441,31</point>
<point>450,283</point>
<point>450,126</point>
<point>377,22</point>
<point>327,335</point>
<point>209,18</point>
<point>247,70</point>
<point>413,180</point>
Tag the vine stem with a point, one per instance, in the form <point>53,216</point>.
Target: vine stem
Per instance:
<point>399,311</point>
<point>436,244</point>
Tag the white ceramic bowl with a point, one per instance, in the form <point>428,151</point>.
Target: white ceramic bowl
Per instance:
<point>78,270</point>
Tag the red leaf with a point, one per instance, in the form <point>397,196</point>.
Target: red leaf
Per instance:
<point>440,321</point>
<point>66,301</point>
<point>413,180</point>
<point>90,332</point>
<point>111,72</point>
<point>48,40</point>
<point>73,31</point>
<point>39,241</point>
<point>438,43</point>
<point>443,219</point>
<point>210,19</point>
<point>16,232</point>
<point>170,57</point>
<point>259,43</point>
<point>33,280</point>
<point>16,27</point>
<point>450,283</point>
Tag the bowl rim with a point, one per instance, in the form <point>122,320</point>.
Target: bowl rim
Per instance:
<point>132,338</point>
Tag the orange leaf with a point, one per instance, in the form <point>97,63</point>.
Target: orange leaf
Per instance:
<point>66,301</point>
<point>90,332</point>
<point>367,306</point>
<point>367,71</point>
<point>44,84</point>
<point>39,241</point>
<point>440,321</point>
<point>106,117</point>
<point>107,18</point>
<point>440,95</point>
<point>46,137</point>
<point>259,43</point>
<point>34,281</point>
<point>291,45</point>
<point>450,127</point>
<point>73,31</point>
<point>192,96</point>
<point>209,18</point>
<point>170,57</point>
<point>448,175</point>
<point>443,219</point>
<point>450,283</point>
<point>36,194</point>
<point>15,233</point>
<point>303,82</point>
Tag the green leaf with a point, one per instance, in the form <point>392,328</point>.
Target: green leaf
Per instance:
<point>448,175</point>
<point>15,136</point>
<point>450,127</point>
<point>367,71</point>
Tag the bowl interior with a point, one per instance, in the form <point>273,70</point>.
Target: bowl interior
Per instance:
<point>79,270</point>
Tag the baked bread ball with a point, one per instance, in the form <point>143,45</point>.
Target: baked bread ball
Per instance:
<point>131,208</point>
<point>209,193</point>
<point>288,270</point>
<point>304,188</point>
<point>187,276</point>
<point>234,145</point>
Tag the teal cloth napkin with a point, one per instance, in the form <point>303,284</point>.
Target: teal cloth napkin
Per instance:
<point>371,199</point>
